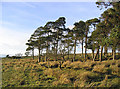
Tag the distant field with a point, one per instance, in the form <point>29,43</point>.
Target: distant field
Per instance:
<point>28,73</point>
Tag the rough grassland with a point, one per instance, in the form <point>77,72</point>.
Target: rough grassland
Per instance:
<point>29,73</point>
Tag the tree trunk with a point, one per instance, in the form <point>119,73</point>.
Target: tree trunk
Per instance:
<point>113,54</point>
<point>39,57</point>
<point>96,54</point>
<point>33,53</point>
<point>105,48</point>
<point>119,51</point>
<point>46,56</point>
<point>101,53</point>
<point>93,55</point>
<point>56,50</point>
<point>57,46</point>
<point>82,48</point>
<point>86,47</point>
<point>74,51</point>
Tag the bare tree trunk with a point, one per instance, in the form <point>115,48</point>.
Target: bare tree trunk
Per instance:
<point>113,54</point>
<point>86,46</point>
<point>56,51</point>
<point>105,48</point>
<point>74,50</point>
<point>54,48</point>
<point>39,57</point>
<point>82,47</point>
<point>96,54</point>
<point>93,55</point>
<point>119,51</point>
<point>33,53</point>
<point>101,53</point>
<point>46,56</point>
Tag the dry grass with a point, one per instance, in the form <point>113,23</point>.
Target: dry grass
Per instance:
<point>66,64</point>
<point>50,64</point>
<point>64,79</point>
<point>115,70</point>
<point>76,65</point>
<point>79,83</point>
<point>52,72</point>
<point>100,69</point>
<point>76,74</point>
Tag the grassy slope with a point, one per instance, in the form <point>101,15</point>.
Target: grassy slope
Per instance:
<point>27,72</point>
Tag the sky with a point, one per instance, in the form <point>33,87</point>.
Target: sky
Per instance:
<point>20,19</point>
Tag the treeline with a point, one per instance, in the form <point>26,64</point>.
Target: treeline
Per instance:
<point>17,56</point>
<point>57,41</point>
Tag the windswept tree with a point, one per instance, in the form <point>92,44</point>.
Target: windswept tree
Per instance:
<point>30,44</point>
<point>101,37</point>
<point>30,48</point>
<point>87,28</point>
<point>92,45</point>
<point>111,16</point>
<point>57,33</point>
<point>48,38</point>
<point>39,41</point>
<point>68,42</point>
<point>91,42</point>
<point>75,38</point>
<point>114,40</point>
<point>81,30</point>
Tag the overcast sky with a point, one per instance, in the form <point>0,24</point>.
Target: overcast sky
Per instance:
<point>20,19</point>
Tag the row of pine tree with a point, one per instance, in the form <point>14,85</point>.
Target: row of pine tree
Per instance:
<point>58,41</point>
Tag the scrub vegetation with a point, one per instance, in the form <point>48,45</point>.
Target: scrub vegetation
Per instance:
<point>29,73</point>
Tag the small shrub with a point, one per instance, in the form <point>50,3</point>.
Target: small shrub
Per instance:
<point>53,64</point>
<point>49,72</point>
<point>115,69</point>
<point>50,64</point>
<point>56,83</point>
<point>66,64</point>
<point>115,83</point>
<point>88,65</point>
<point>64,79</point>
<point>84,76</point>
<point>53,72</point>
<point>88,76</point>
<point>79,83</point>
<point>76,65</point>
<point>43,63</point>
<point>110,83</point>
<point>100,68</point>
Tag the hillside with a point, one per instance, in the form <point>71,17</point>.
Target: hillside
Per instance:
<point>30,73</point>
